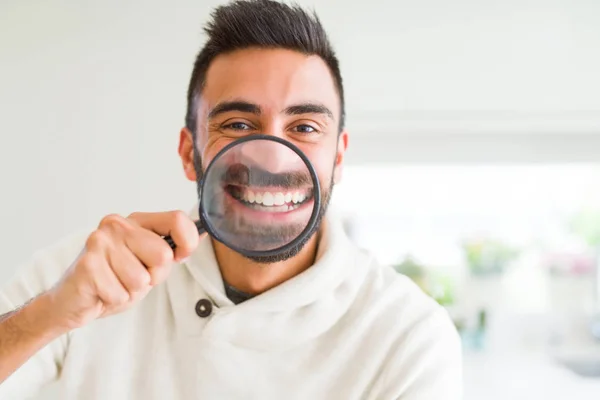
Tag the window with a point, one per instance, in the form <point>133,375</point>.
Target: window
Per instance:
<point>533,228</point>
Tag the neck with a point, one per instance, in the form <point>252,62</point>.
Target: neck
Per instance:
<point>255,278</point>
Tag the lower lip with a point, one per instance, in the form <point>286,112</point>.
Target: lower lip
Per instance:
<point>301,213</point>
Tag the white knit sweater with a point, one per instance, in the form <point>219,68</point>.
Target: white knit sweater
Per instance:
<point>346,328</point>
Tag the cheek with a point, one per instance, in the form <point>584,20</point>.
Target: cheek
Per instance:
<point>212,147</point>
<point>322,160</point>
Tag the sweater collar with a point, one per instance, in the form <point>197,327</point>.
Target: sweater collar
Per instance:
<point>304,306</point>
<point>326,273</point>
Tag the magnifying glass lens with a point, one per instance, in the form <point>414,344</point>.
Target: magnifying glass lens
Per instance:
<point>258,196</point>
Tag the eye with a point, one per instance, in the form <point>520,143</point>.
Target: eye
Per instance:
<point>238,126</point>
<point>305,129</point>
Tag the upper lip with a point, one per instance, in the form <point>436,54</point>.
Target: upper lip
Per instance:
<point>268,188</point>
<point>243,176</point>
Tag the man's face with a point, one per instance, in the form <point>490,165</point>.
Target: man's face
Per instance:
<point>275,92</point>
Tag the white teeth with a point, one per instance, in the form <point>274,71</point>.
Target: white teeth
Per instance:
<point>267,199</point>
<point>279,199</point>
<point>275,200</point>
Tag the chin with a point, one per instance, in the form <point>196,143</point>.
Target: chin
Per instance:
<point>289,253</point>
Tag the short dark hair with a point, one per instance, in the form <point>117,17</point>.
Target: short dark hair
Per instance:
<point>260,24</point>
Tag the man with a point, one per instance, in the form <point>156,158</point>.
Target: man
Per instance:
<point>117,314</point>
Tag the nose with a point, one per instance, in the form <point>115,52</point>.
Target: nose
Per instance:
<point>272,156</point>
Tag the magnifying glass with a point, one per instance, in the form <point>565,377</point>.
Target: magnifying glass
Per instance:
<point>260,196</point>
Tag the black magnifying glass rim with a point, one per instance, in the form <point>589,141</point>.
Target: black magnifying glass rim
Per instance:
<point>316,198</point>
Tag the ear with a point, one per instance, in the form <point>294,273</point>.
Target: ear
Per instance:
<point>342,145</point>
<point>186,152</point>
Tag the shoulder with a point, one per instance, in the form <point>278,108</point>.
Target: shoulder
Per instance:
<point>54,259</point>
<point>41,270</point>
<point>421,342</point>
<point>397,297</point>
<point>394,294</point>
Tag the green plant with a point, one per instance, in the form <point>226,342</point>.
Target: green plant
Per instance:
<point>410,267</point>
<point>437,286</point>
<point>488,256</point>
<point>442,289</point>
<point>586,225</point>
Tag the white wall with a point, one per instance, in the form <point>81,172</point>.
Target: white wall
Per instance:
<point>92,93</point>
<point>92,96</point>
<point>522,55</point>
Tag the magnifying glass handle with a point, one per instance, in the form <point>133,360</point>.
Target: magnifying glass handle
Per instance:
<point>172,244</point>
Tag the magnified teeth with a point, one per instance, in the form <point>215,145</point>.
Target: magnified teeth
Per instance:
<point>279,199</point>
<point>276,201</point>
<point>267,199</point>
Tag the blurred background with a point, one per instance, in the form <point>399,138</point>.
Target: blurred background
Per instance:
<point>473,166</point>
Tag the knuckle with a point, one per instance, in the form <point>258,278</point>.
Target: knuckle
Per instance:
<point>134,216</point>
<point>140,281</point>
<point>114,295</point>
<point>123,297</point>
<point>180,220</point>
<point>118,297</point>
<point>139,294</point>
<point>185,248</point>
<point>97,239</point>
<point>183,242</point>
<point>87,262</point>
<point>164,256</point>
<point>158,275</point>
<point>87,259</point>
<point>111,221</point>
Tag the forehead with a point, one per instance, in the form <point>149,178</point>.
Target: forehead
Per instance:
<point>271,78</point>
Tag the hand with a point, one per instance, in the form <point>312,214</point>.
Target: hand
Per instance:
<point>122,260</point>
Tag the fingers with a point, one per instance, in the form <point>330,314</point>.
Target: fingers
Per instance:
<point>107,286</point>
<point>139,234</point>
<point>122,259</point>
<point>134,250</point>
<point>177,224</point>
<point>129,270</point>
<point>118,290</point>
<point>152,252</point>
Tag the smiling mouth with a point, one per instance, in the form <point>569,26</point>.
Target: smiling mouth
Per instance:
<point>270,200</point>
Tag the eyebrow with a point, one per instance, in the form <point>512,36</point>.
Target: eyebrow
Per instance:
<point>227,106</point>
<point>251,108</point>
<point>308,108</point>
